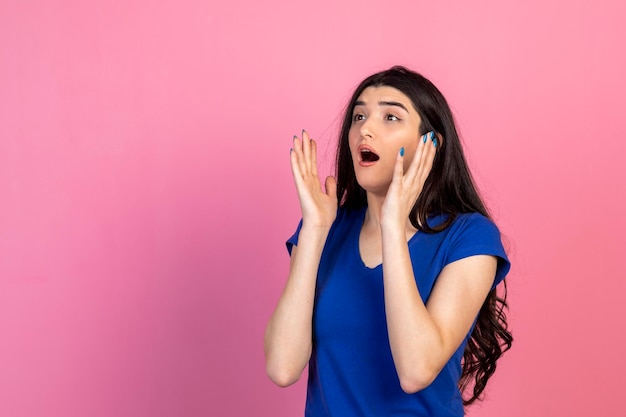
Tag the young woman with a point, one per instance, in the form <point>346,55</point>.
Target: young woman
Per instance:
<point>391,295</point>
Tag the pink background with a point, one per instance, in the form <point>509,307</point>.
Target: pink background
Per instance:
<point>146,190</point>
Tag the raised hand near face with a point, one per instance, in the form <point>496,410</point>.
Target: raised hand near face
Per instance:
<point>406,187</point>
<point>319,206</point>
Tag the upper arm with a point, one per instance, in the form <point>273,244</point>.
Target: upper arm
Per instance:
<point>458,295</point>
<point>293,250</point>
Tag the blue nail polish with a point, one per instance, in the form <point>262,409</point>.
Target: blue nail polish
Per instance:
<point>432,134</point>
<point>425,137</point>
<point>435,142</point>
<point>401,151</point>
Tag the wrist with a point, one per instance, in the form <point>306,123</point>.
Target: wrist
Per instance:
<point>392,226</point>
<point>315,228</point>
<point>397,231</point>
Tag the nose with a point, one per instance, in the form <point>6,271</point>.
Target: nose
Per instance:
<point>366,129</point>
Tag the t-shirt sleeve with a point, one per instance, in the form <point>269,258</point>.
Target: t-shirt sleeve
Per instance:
<point>477,235</point>
<point>293,240</point>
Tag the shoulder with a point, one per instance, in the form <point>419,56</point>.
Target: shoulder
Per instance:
<point>345,220</point>
<point>474,234</point>
<point>348,215</point>
<point>474,223</point>
<point>470,230</point>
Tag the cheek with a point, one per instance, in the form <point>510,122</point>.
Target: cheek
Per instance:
<point>352,145</point>
<point>409,155</point>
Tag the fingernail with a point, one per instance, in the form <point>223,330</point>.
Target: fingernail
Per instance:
<point>401,151</point>
<point>295,136</point>
<point>435,142</point>
<point>290,150</point>
<point>303,132</point>
<point>425,137</point>
<point>432,134</point>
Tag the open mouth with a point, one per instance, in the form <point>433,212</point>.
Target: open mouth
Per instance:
<point>368,156</point>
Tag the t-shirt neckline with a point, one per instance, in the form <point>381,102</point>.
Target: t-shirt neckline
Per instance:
<point>356,234</point>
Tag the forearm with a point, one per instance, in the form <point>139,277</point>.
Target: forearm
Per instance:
<point>288,337</point>
<point>415,340</point>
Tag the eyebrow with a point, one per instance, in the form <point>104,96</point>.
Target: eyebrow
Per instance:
<point>383,103</point>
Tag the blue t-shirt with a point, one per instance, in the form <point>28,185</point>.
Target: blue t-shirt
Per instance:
<point>351,370</point>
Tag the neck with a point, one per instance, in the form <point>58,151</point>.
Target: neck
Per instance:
<point>374,211</point>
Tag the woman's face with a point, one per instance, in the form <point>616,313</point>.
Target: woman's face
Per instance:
<point>383,121</point>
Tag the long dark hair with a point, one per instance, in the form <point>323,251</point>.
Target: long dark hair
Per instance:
<point>449,190</point>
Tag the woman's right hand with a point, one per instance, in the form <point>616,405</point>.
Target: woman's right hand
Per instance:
<point>288,336</point>
<point>319,207</point>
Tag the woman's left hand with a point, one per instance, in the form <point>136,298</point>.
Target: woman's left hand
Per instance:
<point>406,187</point>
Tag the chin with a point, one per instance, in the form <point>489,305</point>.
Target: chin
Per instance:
<point>374,187</point>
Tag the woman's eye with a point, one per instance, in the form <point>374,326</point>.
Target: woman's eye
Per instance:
<point>357,117</point>
<point>392,117</point>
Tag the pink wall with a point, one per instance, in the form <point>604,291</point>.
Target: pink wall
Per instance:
<point>146,191</point>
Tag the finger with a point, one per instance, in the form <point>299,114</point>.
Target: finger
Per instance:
<point>398,170</point>
<point>299,154</point>
<point>306,149</point>
<point>303,186</point>
<point>295,158</point>
<point>417,157</point>
<point>295,167</point>
<point>331,187</point>
<point>429,157</point>
<point>297,145</point>
<point>313,158</point>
